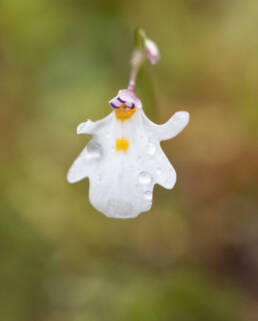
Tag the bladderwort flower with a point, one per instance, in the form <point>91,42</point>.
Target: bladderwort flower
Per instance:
<point>124,159</point>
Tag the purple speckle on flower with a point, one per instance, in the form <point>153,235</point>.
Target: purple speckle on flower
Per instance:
<point>113,105</point>
<point>121,100</point>
<point>129,99</point>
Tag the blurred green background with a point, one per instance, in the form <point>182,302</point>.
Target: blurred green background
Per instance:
<point>194,256</point>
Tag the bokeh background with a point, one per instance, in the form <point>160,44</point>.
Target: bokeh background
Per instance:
<point>194,256</point>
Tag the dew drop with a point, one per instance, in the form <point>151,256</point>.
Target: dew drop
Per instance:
<point>148,195</point>
<point>93,151</point>
<point>144,178</point>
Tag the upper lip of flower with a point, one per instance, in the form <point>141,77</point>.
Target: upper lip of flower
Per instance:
<point>125,97</point>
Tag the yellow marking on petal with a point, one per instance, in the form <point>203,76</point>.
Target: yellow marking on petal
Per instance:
<point>123,112</point>
<point>122,144</point>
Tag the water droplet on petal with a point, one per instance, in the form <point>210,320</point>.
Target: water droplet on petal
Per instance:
<point>144,178</point>
<point>93,151</point>
<point>148,195</point>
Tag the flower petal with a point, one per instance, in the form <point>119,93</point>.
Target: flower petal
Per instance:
<point>90,127</point>
<point>171,128</point>
<point>124,160</point>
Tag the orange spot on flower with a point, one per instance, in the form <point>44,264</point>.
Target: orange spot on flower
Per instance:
<point>122,144</point>
<point>123,112</point>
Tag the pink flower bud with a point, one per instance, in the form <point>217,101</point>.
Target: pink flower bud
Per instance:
<point>152,51</point>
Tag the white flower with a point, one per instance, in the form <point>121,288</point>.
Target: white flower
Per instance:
<point>124,159</point>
